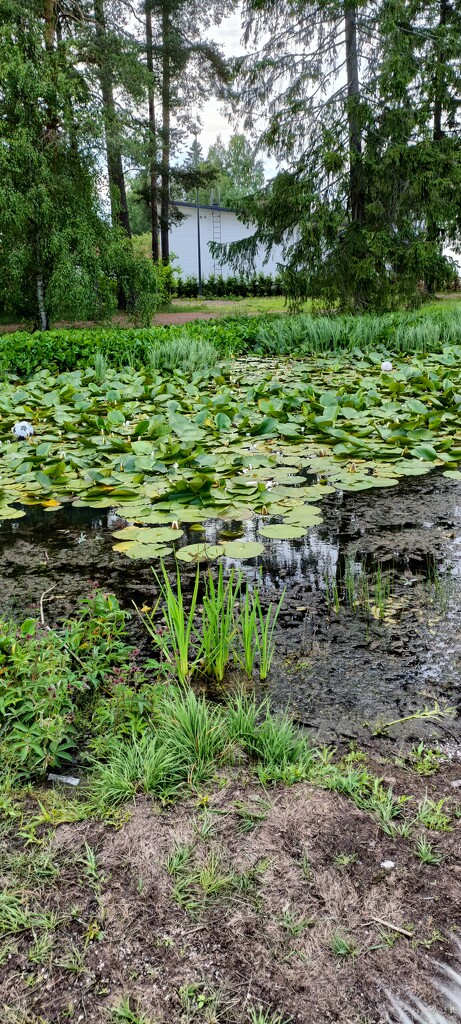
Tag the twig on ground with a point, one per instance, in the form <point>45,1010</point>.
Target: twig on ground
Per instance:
<point>388,924</point>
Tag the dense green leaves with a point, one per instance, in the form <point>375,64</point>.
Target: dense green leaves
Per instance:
<point>170,450</point>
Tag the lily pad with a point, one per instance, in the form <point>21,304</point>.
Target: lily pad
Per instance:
<point>304,515</point>
<point>242,549</point>
<point>6,512</point>
<point>135,550</point>
<point>147,535</point>
<point>282,531</point>
<point>199,552</point>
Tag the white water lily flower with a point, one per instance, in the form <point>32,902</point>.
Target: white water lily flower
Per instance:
<point>22,430</point>
<point>386,366</point>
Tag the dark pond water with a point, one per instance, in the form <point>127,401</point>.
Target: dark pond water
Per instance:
<point>336,669</point>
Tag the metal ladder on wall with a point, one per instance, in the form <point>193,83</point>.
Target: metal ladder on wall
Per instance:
<point>216,216</point>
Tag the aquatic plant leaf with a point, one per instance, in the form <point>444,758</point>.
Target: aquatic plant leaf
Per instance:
<point>242,549</point>
<point>199,552</point>
<point>135,550</point>
<point>304,515</point>
<point>282,531</point>
<point>147,534</point>
<point>7,512</point>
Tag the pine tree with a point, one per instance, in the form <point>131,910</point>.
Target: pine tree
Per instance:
<point>348,206</point>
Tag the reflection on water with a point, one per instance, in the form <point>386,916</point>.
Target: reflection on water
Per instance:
<point>334,669</point>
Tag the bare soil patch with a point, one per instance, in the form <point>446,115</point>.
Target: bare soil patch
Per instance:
<point>270,884</point>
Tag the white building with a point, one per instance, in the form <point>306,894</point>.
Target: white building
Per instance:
<point>217,224</point>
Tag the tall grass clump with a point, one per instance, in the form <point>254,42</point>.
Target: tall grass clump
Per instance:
<point>142,765</point>
<point>182,353</point>
<point>195,732</point>
<point>191,740</point>
<point>233,629</point>
<point>175,641</point>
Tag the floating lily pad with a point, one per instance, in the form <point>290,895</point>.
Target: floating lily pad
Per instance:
<point>282,531</point>
<point>199,552</point>
<point>6,512</point>
<point>452,474</point>
<point>136,550</point>
<point>242,549</point>
<point>304,515</point>
<point>147,535</point>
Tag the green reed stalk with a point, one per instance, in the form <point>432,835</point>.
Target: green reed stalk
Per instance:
<point>175,641</point>
<point>219,625</point>
<point>266,642</point>
<point>247,622</point>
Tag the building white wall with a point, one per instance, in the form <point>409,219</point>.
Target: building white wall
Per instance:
<point>215,225</point>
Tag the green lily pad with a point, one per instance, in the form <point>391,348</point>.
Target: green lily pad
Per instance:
<point>147,535</point>
<point>6,512</point>
<point>282,531</point>
<point>242,549</point>
<point>199,552</point>
<point>304,515</point>
<point>452,474</point>
<point>135,550</point>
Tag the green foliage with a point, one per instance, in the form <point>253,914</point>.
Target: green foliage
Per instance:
<point>242,286</point>
<point>47,676</point>
<point>58,256</point>
<point>369,190</point>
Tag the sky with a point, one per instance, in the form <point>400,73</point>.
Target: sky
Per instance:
<point>228,35</point>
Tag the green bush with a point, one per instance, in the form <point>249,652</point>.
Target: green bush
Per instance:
<point>48,676</point>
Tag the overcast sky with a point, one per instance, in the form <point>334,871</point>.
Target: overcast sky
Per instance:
<point>227,35</point>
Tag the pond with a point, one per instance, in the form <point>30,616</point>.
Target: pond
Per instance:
<point>369,628</point>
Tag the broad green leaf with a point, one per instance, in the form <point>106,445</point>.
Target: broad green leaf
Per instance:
<point>282,531</point>
<point>199,552</point>
<point>242,549</point>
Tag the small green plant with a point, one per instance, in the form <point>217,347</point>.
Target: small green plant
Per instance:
<point>128,1012</point>
<point>341,945</point>
<point>344,860</point>
<point>431,814</point>
<point>89,864</point>
<point>249,816</point>
<point>179,859</point>
<point>260,1016</point>
<point>425,852</point>
<point>332,593</point>
<point>425,760</point>
<point>306,867</point>
<point>293,925</point>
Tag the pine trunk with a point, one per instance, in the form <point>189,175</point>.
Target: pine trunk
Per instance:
<point>166,100</point>
<point>357,197</point>
<point>153,185</point>
<point>118,200</point>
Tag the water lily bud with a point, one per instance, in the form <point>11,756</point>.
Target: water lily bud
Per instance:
<point>386,366</point>
<point>22,430</point>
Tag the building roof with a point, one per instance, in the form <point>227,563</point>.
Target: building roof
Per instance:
<point>203,206</point>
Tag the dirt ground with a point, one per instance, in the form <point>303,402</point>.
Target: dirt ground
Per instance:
<point>234,898</point>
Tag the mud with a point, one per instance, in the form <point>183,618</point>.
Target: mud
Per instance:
<point>340,671</point>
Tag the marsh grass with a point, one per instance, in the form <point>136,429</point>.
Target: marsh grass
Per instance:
<point>175,641</point>
<point>219,625</point>
<point>367,593</point>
